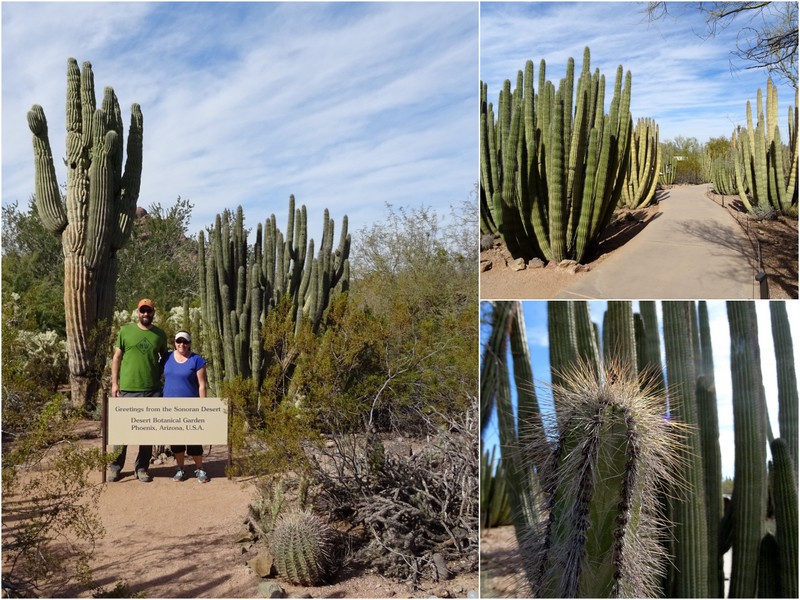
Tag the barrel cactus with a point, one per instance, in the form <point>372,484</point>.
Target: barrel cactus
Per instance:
<point>303,548</point>
<point>97,218</point>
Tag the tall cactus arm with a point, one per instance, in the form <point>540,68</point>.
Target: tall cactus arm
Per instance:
<point>130,182</point>
<point>784,498</point>
<point>48,198</point>
<point>749,493</point>
<point>787,377</point>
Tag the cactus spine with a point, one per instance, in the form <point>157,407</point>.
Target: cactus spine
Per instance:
<point>551,176</point>
<point>98,216</point>
<point>600,481</point>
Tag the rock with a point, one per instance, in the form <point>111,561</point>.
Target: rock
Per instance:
<point>442,572</point>
<point>567,264</point>
<point>442,593</point>
<point>244,535</point>
<point>487,241</point>
<point>472,594</point>
<point>518,265</point>
<point>536,263</point>
<point>263,565</point>
<point>270,589</point>
<point>246,547</point>
<point>486,265</point>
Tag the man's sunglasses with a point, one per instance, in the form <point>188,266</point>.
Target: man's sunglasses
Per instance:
<point>146,311</point>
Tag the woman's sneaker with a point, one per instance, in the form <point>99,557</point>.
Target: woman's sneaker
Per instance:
<point>179,476</point>
<point>201,476</point>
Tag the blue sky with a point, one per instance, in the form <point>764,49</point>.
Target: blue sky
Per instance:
<point>536,330</point>
<point>680,77</point>
<point>348,106</point>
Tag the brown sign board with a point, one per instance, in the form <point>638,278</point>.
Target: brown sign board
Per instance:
<point>132,420</point>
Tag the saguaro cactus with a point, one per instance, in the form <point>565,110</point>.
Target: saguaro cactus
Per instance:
<point>97,218</point>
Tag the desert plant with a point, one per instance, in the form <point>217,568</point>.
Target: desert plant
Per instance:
<point>765,159</point>
<point>669,166</point>
<point>641,178</point>
<point>240,286</point>
<point>550,176</point>
<point>97,218</point>
<point>495,509</point>
<point>303,548</point>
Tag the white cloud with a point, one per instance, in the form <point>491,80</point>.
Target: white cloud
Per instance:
<point>348,106</point>
<point>681,77</point>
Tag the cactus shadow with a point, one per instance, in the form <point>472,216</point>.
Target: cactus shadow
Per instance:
<point>625,226</point>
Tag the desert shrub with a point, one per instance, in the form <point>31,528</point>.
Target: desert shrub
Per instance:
<point>418,510</point>
<point>120,590</point>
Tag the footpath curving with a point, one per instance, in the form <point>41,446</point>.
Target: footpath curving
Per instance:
<point>693,250</point>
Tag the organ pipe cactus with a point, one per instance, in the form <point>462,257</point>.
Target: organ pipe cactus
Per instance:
<point>97,218</point>
<point>641,177</point>
<point>784,499</point>
<point>687,511</point>
<point>787,378</point>
<point>770,168</point>
<point>241,285</point>
<point>551,176</point>
<point>669,166</point>
<point>600,481</point>
<point>750,476</point>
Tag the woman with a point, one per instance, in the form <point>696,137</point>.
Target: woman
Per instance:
<point>185,377</point>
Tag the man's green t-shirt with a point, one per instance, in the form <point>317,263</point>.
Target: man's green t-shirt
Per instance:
<point>142,349</point>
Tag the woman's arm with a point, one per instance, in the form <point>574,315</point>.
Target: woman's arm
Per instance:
<point>201,380</point>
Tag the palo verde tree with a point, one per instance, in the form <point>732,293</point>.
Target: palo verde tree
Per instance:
<point>96,219</point>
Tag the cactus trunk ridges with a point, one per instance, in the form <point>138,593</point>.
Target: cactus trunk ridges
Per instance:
<point>708,422</point>
<point>749,493</point>
<point>687,511</point>
<point>600,481</point>
<point>551,175</point>
<point>563,343</point>
<point>618,331</point>
<point>241,287</point>
<point>97,219</point>
<point>787,377</point>
<point>784,499</point>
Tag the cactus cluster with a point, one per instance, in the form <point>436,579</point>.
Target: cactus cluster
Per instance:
<point>641,178</point>
<point>760,168</point>
<point>303,548</point>
<point>97,218</point>
<point>240,285</point>
<point>669,166</point>
<point>551,175</point>
<point>590,522</point>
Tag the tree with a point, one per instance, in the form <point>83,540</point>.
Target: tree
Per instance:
<point>767,38</point>
<point>159,261</point>
<point>29,254</point>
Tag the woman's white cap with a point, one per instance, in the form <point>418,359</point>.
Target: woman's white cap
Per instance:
<point>183,334</point>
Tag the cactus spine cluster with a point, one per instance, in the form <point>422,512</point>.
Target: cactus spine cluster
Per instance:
<point>303,548</point>
<point>98,216</point>
<point>551,176</point>
<point>641,178</point>
<point>241,285</point>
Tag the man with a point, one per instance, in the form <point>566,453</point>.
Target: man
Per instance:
<point>136,371</point>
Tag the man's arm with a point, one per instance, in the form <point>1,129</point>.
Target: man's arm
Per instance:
<point>116,361</point>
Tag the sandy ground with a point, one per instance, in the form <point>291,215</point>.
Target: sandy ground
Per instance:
<point>169,539</point>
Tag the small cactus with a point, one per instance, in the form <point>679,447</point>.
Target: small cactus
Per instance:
<point>303,548</point>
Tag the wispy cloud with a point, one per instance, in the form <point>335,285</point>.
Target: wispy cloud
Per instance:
<point>681,77</point>
<point>349,106</point>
